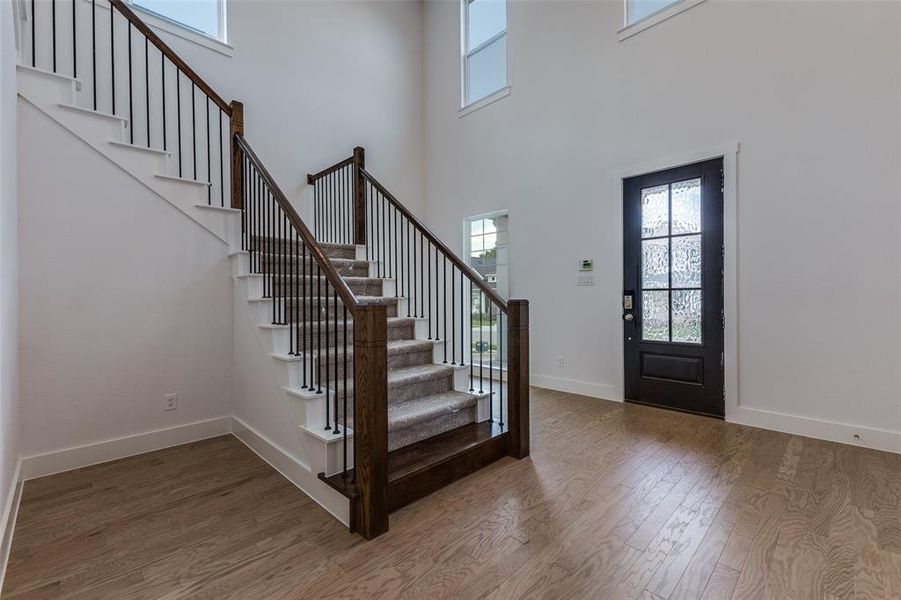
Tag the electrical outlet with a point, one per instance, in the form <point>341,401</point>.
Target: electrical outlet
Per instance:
<point>170,402</point>
<point>560,360</point>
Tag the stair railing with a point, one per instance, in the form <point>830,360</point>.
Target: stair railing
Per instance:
<point>475,329</point>
<point>310,298</point>
<point>126,70</point>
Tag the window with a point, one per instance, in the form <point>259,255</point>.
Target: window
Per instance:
<point>487,254</point>
<point>206,17</point>
<point>484,49</point>
<point>636,10</point>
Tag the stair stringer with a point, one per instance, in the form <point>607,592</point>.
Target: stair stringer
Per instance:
<point>56,96</point>
<point>267,401</point>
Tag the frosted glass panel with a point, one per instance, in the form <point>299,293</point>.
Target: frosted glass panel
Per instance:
<point>486,70</point>
<point>655,263</point>
<point>654,211</point>
<point>487,18</point>
<point>639,9</point>
<point>687,316</point>
<point>655,316</point>
<point>687,206</point>
<point>686,261</point>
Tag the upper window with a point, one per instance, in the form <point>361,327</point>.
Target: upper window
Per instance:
<point>636,10</point>
<point>203,16</point>
<point>484,48</point>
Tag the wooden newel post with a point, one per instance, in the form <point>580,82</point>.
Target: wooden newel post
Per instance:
<point>359,196</point>
<point>518,377</point>
<point>371,418</point>
<point>237,128</point>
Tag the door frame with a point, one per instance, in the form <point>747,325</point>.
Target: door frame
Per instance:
<point>729,153</point>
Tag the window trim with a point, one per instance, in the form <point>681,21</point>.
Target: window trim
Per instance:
<point>186,32</point>
<point>501,92</point>
<point>628,30</point>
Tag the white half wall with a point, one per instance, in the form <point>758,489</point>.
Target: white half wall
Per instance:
<point>123,300</point>
<point>811,91</point>
<point>9,372</point>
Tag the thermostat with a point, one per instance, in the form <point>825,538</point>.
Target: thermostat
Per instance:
<point>586,265</point>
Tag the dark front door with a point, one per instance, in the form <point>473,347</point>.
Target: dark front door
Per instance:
<point>673,288</point>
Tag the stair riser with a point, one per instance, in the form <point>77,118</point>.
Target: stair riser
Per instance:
<point>285,247</point>
<point>283,284</point>
<point>395,361</point>
<point>34,85</point>
<point>403,391</point>
<point>347,269</point>
<point>308,338</point>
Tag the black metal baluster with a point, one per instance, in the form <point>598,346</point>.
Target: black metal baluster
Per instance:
<point>453,311</point>
<point>93,49</point>
<point>500,366</point>
<point>131,100</point>
<point>163,80</point>
<point>112,57</point>
<point>422,283</point>
<point>471,340</point>
<point>178,116</point>
<point>34,39</point>
<point>444,307</point>
<point>319,332</point>
<point>335,301</point>
<point>345,391</point>
<point>53,34</point>
<point>221,166</point>
<point>147,87</point>
<point>397,255</point>
<point>74,42</point>
<point>463,319</point>
<point>481,340</point>
<point>406,291</point>
<point>194,127</point>
<point>384,228</point>
<point>209,173</point>
<point>324,357</point>
<point>312,323</point>
<point>490,367</point>
<point>428,260</point>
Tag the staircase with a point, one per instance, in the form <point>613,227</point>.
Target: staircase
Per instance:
<point>402,368</point>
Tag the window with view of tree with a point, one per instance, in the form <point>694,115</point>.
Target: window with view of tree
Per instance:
<point>203,16</point>
<point>484,48</point>
<point>487,254</point>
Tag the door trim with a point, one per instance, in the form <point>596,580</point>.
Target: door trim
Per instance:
<point>729,153</point>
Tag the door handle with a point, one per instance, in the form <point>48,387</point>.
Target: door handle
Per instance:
<point>628,317</point>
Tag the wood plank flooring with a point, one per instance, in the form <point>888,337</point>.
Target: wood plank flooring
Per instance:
<point>617,501</point>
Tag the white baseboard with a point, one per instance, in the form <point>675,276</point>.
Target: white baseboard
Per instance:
<point>8,522</point>
<point>293,470</point>
<point>843,433</point>
<point>574,386</point>
<point>114,449</point>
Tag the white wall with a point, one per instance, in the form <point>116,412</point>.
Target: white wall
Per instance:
<point>9,388</point>
<point>811,90</point>
<point>122,300</point>
<point>317,79</point>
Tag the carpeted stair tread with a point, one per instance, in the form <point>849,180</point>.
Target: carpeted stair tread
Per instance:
<point>414,412</point>
<point>395,347</point>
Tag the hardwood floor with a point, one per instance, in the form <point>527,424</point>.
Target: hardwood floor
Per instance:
<point>616,501</point>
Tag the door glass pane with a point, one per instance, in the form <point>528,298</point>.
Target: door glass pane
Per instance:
<point>654,211</point>
<point>687,316</point>
<point>686,261</point>
<point>655,315</point>
<point>655,263</point>
<point>687,206</point>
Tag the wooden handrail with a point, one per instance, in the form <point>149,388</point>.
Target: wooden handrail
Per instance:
<point>169,53</point>
<point>341,287</point>
<point>335,167</point>
<point>474,276</point>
